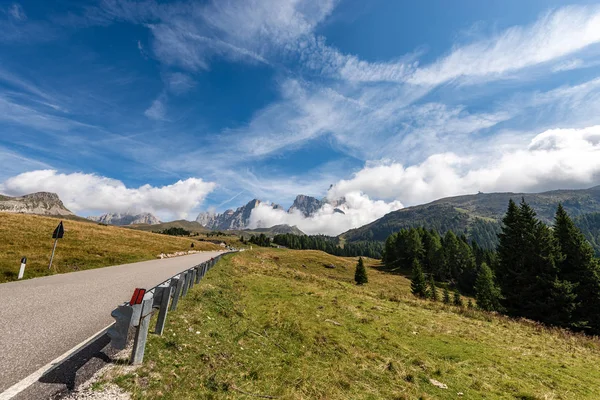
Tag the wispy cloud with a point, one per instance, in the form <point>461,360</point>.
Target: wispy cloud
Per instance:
<point>17,12</point>
<point>157,109</point>
<point>554,35</point>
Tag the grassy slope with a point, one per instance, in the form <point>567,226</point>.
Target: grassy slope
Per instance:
<point>85,245</point>
<point>258,324</point>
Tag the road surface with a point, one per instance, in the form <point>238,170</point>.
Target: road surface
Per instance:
<point>42,318</point>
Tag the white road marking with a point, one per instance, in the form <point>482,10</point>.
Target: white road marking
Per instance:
<point>34,377</point>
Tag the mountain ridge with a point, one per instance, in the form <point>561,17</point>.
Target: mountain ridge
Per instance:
<point>40,203</point>
<point>124,219</point>
<point>475,214</point>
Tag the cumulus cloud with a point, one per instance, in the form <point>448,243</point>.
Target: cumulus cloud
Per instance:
<point>557,158</point>
<point>97,194</point>
<point>357,210</point>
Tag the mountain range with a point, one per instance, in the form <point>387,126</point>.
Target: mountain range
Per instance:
<point>478,216</point>
<point>239,218</point>
<point>126,219</point>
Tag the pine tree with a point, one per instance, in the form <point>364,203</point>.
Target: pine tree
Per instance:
<point>446,298</point>
<point>579,267</point>
<point>457,299</point>
<point>487,293</point>
<point>360,276</point>
<point>419,284</point>
<point>527,269</point>
<point>433,293</point>
<point>510,258</point>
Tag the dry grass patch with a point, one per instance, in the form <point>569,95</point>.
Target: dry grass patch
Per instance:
<point>84,246</point>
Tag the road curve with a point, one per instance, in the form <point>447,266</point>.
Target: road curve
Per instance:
<point>42,318</point>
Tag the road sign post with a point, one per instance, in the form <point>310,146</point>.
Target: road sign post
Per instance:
<point>58,234</point>
<point>22,269</point>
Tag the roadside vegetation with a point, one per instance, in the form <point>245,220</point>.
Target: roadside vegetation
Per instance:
<point>85,245</point>
<point>547,274</point>
<point>285,324</point>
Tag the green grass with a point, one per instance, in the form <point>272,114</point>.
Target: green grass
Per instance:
<point>278,323</point>
<point>85,245</point>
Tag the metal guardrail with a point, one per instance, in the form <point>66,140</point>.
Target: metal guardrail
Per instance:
<point>164,297</point>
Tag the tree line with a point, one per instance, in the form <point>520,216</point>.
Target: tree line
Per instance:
<point>329,245</point>
<point>547,274</point>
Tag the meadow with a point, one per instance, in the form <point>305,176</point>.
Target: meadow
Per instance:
<point>276,323</point>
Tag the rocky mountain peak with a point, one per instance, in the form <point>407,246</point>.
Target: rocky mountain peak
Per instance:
<point>126,219</point>
<point>42,203</point>
<point>307,205</point>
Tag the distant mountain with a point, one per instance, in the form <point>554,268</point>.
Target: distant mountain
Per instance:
<point>126,219</point>
<point>478,215</point>
<point>231,219</point>
<point>307,205</point>
<point>42,203</point>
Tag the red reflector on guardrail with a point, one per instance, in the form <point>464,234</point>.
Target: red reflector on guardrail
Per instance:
<point>138,296</point>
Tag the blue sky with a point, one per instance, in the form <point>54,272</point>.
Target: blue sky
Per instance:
<point>178,107</point>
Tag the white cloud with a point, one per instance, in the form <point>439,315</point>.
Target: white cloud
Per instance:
<point>558,158</point>
<point>555,35</point>
<point>568,65</point>
<point>17,12</point>
<point>358,210</point>
<point>97,194</point>
<point>157,110</point>
<point>179,83</point>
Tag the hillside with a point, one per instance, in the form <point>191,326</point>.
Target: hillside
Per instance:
<point>274,230</point>
<point>476,215</point>
<point>278,324</point>
<point>85,245</point>
<point>191,226</point>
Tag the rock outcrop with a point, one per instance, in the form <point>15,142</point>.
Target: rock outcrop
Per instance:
<point>231,219</point>
<point>42,203</point>
<point>126,219</point>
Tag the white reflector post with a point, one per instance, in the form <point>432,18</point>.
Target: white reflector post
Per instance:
<point>22,270</point>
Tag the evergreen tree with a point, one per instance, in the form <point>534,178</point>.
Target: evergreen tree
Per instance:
<point>470,304</point>
<point>487,293</point>
<point>446,298</point>
<point>408,247</point>
<point>510,258</point>
<point>579,267</point>
<point>360,276</point>
<point>457,299</point>
<point>527,269</point>
<point>419,284</point>
<point>433,293</point>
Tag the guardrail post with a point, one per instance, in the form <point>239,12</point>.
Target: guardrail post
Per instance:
<point>192,277</point>
<point>165,296</point>
<point>186,283</point>
<point>198,276</point>
<point>178,282</point>
<point>141,335</point>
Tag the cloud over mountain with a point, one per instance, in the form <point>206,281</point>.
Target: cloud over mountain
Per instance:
<point>96,194</point>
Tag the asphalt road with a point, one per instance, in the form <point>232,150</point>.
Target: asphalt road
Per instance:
<point>42,318</point>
